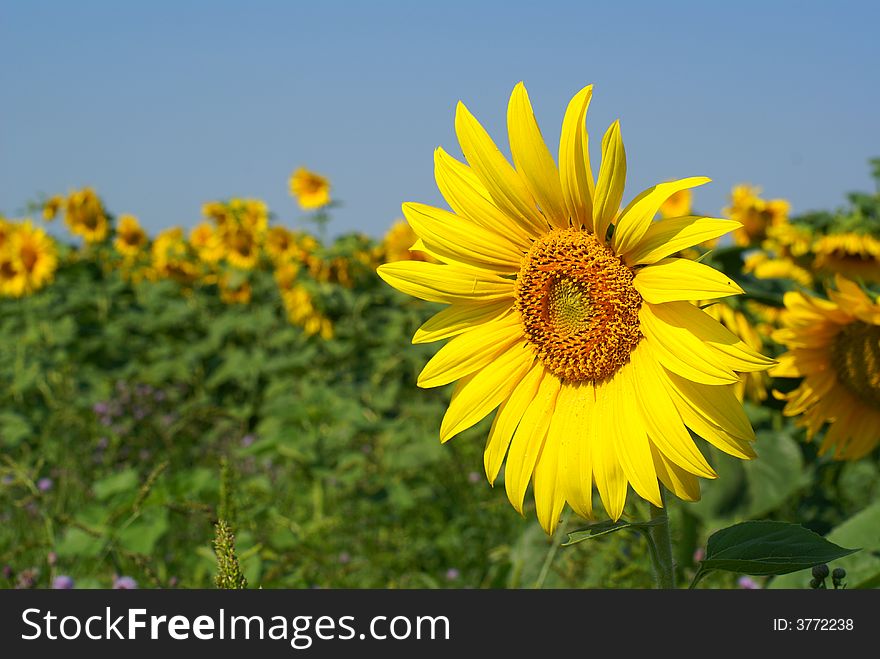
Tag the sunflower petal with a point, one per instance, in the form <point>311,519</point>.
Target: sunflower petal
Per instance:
<point>507,419</point>
<point>610,479</point>
<point>575,173</point>
<point>445,283</point>
<point>506,186</point>
<point>572,425</point>
<point>528,440</point>
<point>631,440</point>
<point>468,197</point>
<point>532,158</point>
<point>458,318</point>
<point>682,279</point>
<point>680,351</point>
<point>479,393</point>
<point>666,237</point>
<point>637,217</point>
<point>682,484</point>
<point>471,351</point>
<point>547,485</point>
<point>612,178</point>
<point>449,235</point>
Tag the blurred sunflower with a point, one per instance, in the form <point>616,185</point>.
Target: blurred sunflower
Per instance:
<point>678,204</point>
<point>172,257</point>
<point>207,243</point>
<point>241,247</point>
<point>566,312</point>
<point>834,345</point>
<point>301,311</point>
<point>755,214</point>
<point>281,245</point>
<point>51,207</point>
<point>130,237</point>
<point>397,245</point>
<point>752,385</point>
<point>28,260</point>
<point>310,189</point>
<point>85,216</point>
<point>764,266</point>
<point>850,254</point>
<point>234,291</point>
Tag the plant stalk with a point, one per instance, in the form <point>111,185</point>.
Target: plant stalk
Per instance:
<point>661,542</point>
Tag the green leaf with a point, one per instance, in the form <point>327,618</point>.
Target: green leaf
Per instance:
<point>124,481</point>
<point>606,527</point>
<point>142,535</point>
<point>76,543</point>
<point>768,547</point>
<point>13,428</point>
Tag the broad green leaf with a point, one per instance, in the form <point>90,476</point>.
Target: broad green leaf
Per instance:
<point>124,481</point>
<point>76,543</point>
<point>768,547</point>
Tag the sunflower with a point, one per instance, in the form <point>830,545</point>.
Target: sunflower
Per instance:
<point>755,214</point>
<point>51,207</point>
<point>567,315</point>
<point>172,257</point>
<point>281,245</point>
<point>85,216</point>
<point>398,243</point>
<point>28,260</point>
<point>764,266</point>
<point>310,189</point>
<point>241,247</point>
<point>130,237</point>
<point>855,255</point>
<point>834,345</point>
<point>678,204</point>
<point>207,243</point>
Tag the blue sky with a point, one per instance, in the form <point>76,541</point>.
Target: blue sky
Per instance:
<point>164,105</point>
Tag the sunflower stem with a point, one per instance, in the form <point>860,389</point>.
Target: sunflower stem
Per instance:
<point>661,545</point>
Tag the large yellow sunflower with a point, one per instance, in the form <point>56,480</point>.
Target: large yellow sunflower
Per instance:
<point>567,314</point>
<point>855,255</point>
<point>835,346</point>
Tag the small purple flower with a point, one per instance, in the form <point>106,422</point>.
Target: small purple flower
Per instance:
<point>167,419</point>
<point>699,554</point>
<point>172,582</point>
<point>124,583</point>
<point>474,477</point>
<point>747,583</point>
<point>52,558</point>
<point>452,574</point>
<point>248,439</point>
<point>100,408</point>
<point>62,582</point>
<point>344,558</point>
<point>7,572</point>
<point>44,484</point>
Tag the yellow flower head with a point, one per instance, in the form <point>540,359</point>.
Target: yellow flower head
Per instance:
<point>286,275</point>
<point>173,258</point>
<point>241,248</point>
<point>763,266</point>
<point>834,345</point>
<point>207,243</point>
<point>281,245</point>
<point>310,189</point>
<point>235,293</point>
<point>301,311</point>
<point>398,244</point>
<point>852,255</point>
<point>130,237</point>
<point>51,207</point>
<point>569,316</point>
<point>678,204</point>
<point>755,214</point>
<point>84,216</point>
<point>216,211</point>
<point>788,239</point>
<point>28,260</point>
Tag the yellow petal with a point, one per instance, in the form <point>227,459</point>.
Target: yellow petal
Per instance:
<point>612,178</point>
<point>680,351</point>
<point>506,186</point>
<point>714,414</point>
<point>666,237</point>
<point>681,279</point>
<point>575,173</point>
<point>449,235</point>
<point>445,283</point>
<point>664,424</point>
<point>528,439</point>
<point>547,485</point>
<point>479,393</point>
<point>532,158</point>
<point>631,439</point>
<point>610,479</point>
<point>468,197</point>
<point>682,484</point>
<point>459,318</point>
<point>572,427</point>
<point>684,318</point>
<point>471,351</point>
<point>508,417</point>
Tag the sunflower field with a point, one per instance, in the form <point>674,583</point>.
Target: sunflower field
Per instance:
<point>266,378</point>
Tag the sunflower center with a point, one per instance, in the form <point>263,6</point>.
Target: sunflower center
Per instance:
<point>856,357</point>
<point>579,306</point>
